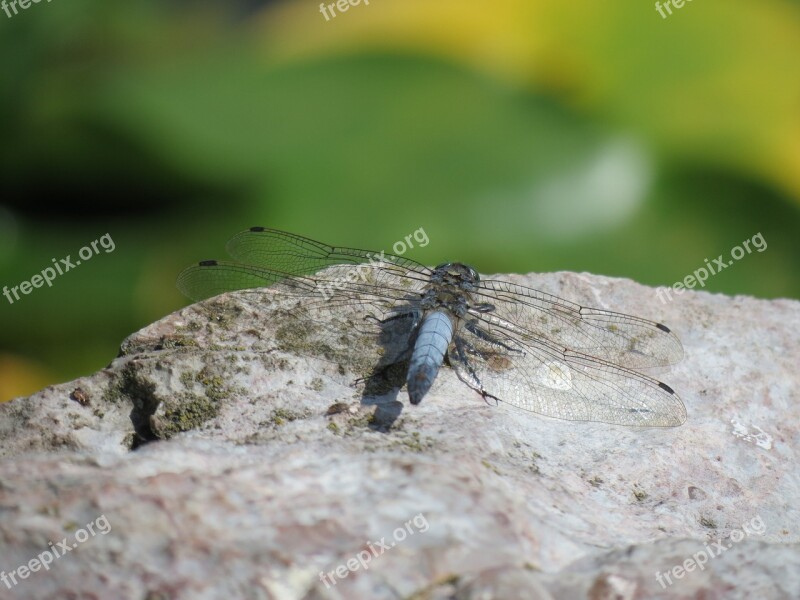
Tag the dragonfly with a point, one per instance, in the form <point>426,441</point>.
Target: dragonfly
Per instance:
<point>510,343</point>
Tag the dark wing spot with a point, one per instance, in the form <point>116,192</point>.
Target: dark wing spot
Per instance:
<point>663,327</point>
<point>208,263</point>
<point>498,362</point>
<point>664,386</point>
<point>256,229</point>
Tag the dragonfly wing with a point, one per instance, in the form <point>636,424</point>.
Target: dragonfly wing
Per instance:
<point>618,338</point>
<point>377,282</point>
<point>336,290</point>
<point>305,267</point>
<point>549,380</point>
<point>357,327</point>
<point>297,255</point>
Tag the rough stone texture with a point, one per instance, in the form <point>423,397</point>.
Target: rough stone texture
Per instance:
<point>248,488</point>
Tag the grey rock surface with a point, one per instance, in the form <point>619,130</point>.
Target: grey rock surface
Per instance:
<point>230,452</point>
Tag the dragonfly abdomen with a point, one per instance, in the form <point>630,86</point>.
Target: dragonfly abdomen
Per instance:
<point>435,335</point>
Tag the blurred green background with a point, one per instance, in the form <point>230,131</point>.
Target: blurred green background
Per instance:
<point>522,135</point>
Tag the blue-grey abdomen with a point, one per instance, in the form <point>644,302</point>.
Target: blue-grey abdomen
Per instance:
<point>434,337</point>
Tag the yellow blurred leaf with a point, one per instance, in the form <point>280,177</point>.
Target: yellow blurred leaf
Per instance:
<point>714,82</point>
<point>21,377</point>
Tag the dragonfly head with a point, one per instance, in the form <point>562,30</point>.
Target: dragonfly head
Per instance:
<point>456,274</point>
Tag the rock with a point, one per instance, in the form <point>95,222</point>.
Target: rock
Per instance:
<point>230,452</point>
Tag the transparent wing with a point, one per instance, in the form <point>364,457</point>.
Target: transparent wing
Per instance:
<point>297,255</point>
<point>299,266</point>
<point>537,376</point>
<point>618,338</point>
<point>338,289</point>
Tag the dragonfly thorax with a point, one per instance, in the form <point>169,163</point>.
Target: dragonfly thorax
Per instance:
<point>450,288</point>
<point>456,274</point>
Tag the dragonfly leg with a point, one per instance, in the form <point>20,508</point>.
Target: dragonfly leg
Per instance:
<point>462,349</point>
<point>395,317</point>
<point>472,327</point>
<point>486,395</point>
<point>410,314</point>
